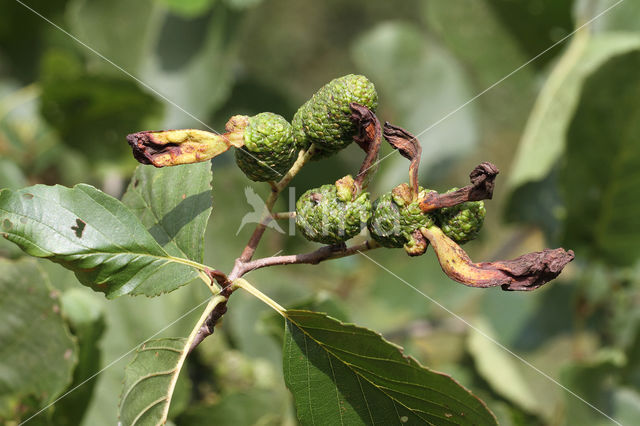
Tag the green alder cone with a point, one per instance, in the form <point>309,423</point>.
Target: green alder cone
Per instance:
<point>463,222</point>
<point>269,147</point>
<point>330,214</point>
<point>324,120</point>
<point>396,216</point>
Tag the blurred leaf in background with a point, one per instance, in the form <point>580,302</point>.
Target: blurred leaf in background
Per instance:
<point>92,112</point>
<point>38,354</point>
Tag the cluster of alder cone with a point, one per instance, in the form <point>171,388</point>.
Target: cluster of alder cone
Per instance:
<point>269,149</point>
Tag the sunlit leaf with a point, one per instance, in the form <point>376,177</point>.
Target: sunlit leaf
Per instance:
<point>601,175</point>
<point>92,234</point>
<point>37,351</point>
<point>344,374</point>
<point>621,15</point>
<point>544,139</point>
<point>174,204</point>
<point>499,368</point>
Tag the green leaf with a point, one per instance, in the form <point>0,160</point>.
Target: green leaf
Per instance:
<point>536,26</point>
<point>84,313</point>
<point>118,29</point>
<point>601,173</point>
<point>622,16</point>
<point>174,204</point>
<point>92,112</point>
<point>185,83</point>
<point>189,8</point>
<point>151,377</point>
<point>94,235</point>
<point>272,322</point>
<point>149,381</point>
<point>594,382</point>
<point>486,49</point>
<point>544,138</point>
<point>10,175</point>
<point>344,374</point>
<point>253,407</point>
<point>242,4</point>
<point>37,351</point>
<point>499,368</point>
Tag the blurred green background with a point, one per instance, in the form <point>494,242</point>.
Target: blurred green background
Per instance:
<point>562,128</point>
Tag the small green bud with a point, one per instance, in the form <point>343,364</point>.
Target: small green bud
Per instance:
<point>345,188</point>
<point>396,217</point>
<point>269,148</point>
<point>462,222</point>
<point>328,215</point>
<point>325,119</point>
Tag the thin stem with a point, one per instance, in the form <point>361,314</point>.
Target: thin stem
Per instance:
<point>198,266</point>
<point>215,301</point>
<point>244,284</point>
<point>251,246</point>
<point>250,249</point>
<point>312,258</point>
<point>211,284</point>
<point>284,215</point>
<point>303,158</point>
<point>239,269</point>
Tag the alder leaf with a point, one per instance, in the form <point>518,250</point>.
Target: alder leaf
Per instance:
<point>600,175</point>
<point>149,381</point>
<point>174,204</point>
<point>92,234</point>
<point>344,374</point>
<point>545,136</point>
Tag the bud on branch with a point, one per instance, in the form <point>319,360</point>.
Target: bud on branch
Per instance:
<point>527,272</point>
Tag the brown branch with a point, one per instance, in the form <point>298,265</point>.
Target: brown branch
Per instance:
<point>409,147</point>
<point>251,246</point>
<point>527,272</point>
<point>481,188</point>
<point>208,326</point>
<point>206,329</point>
<point>369,138</point>
<point>313,258</point>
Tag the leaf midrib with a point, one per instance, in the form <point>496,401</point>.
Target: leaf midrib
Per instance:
<point>373,384</point>
<point>158,222</point>
<point>414,367</point>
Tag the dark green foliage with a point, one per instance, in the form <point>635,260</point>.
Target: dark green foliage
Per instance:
<point>325,118</point>
<point>92,112</point>
<point>325,218</point>
<point>269,148</point>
